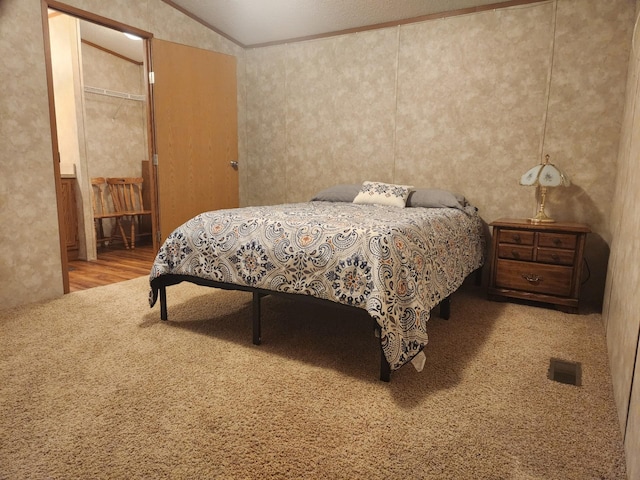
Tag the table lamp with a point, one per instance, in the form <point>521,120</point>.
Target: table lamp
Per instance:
<point>543,176</point>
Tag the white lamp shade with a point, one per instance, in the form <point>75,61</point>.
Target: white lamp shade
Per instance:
<point>546,175</point>
<point>550,176</point>
<point>531,177</point>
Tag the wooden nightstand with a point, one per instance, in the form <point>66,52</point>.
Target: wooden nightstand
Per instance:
<point>537,261</point>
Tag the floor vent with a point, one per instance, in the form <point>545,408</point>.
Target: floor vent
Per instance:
<point>565,372</point>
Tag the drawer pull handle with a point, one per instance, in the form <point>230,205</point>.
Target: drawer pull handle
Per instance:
<point>516,238</point>
<point>557,242</point>
<point>531,278</point>
<point>515,254</point>
<point>555,257</point>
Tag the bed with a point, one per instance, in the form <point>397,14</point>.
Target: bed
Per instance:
<point>396,255</point>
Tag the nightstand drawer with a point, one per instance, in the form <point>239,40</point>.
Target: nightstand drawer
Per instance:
<point>534,277</point>
<point>519,237</point>
<point>556,256</point>
<point>557,240</point>
<point>515,252</point>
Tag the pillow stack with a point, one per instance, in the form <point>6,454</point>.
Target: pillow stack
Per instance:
<point>369,193</point>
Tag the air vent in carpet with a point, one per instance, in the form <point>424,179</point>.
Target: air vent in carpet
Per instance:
<point>564,371</point>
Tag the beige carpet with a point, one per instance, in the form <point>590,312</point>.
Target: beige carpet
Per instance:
<point>94,385</point>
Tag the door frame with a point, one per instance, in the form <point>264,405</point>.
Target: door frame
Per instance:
<point>146,37</point>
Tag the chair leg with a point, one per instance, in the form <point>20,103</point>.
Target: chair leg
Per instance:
<point>124,237</point>
<point>99,231</point>
<point>133,232</point>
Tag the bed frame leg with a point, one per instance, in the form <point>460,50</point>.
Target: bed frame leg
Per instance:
<point>257,336</point>
<point>478,279</point>
<point>385,368</point>
<point>445,308</point>
<point>163,303</point>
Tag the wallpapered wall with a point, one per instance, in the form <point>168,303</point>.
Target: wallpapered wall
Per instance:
<point>622,302</point>
<point>30,258</point>
<point>467,103</point>
<point>116,131</point>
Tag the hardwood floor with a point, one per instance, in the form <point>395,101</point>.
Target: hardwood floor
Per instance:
<point>113,265</point>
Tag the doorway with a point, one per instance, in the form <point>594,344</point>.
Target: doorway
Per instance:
<point>195,116</point>
<point>102,129</point>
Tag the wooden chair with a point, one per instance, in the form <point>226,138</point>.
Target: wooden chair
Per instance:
<point>102,210</point>
<point>126,194</point>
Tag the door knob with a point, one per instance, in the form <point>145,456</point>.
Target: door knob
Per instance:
<point>234,164</point>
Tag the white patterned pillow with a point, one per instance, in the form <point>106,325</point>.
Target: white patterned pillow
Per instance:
<point>383,194</point>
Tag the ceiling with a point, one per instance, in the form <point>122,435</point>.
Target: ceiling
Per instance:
<point>251,23</point>
<point>112,40</point>
<point>256,22</point>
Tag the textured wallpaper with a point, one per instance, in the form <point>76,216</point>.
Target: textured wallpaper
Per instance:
<point>622,302</point>
<point>471,104</point>
<point>266,100</point>
<point>116,131</point>
<point>467,103</point>
<point>318,111</point>
<point>30,266</point>
<point>585,116</point>
<point>340,110</point>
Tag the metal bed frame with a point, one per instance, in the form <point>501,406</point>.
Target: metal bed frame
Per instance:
<point>161,284</point>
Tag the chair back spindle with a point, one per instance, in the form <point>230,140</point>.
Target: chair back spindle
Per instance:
<point>126,194</point>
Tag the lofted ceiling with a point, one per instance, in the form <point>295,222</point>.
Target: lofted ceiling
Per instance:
<point>257,22</point>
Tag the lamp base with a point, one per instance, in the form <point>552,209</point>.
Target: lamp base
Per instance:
<point>541,217</point>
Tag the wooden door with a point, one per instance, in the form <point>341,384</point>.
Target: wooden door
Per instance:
<point>196,121</point>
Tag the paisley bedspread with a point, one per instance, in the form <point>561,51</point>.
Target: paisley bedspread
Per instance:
<point>395,263</point>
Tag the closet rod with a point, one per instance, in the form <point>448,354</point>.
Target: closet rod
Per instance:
<point>113,93</point>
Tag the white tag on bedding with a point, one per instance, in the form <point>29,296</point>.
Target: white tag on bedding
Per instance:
<point>418,361</point>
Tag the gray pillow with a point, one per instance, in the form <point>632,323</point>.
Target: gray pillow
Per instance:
<point>435,198</point>
<point>337,193</point>
<point>420,197</point>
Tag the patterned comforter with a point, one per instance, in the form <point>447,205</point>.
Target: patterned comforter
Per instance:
<point>395,263</point>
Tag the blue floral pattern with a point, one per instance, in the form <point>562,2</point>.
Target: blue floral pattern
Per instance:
<point>395,265</point>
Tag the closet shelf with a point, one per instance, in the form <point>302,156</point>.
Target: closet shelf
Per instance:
<point>113,93</point>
